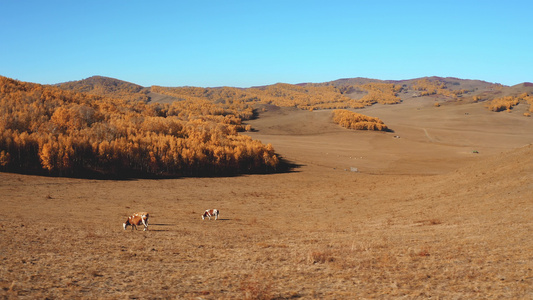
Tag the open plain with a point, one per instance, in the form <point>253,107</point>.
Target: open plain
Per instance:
<point>442,207</point>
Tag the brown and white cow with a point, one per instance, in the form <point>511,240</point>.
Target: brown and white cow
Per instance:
<point>211,213</point>
<point>137,219</point>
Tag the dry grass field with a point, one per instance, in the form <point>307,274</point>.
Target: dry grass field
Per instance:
<point>440,208</point>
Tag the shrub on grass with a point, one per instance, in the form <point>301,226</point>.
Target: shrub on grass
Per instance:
<point>352,120</point>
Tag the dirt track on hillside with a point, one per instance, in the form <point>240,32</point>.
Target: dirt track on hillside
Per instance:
<point>421,217</point>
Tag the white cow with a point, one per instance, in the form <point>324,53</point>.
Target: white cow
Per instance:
<point>211,213</point>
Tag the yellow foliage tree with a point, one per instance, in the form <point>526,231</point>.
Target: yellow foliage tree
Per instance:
<point>503,103</point>
<point>352,120</point>
<point>45,128</point>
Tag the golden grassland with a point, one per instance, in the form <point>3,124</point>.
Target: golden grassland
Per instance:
<point>315,233</point>
<point>423,217</point>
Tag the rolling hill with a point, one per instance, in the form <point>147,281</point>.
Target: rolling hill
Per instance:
<point>106,86</point>
<point>463,90</point>
<point>440,207</point>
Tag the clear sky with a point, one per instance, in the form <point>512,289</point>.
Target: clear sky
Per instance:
<point>256,42</point>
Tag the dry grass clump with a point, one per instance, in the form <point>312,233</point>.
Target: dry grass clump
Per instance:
<point>320,257</point>
<point>352,120</point>
<point>254,288</point>
<point>429,222</point>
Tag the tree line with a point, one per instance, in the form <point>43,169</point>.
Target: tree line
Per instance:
<point>48,130</point>
<point>506,103</point>
<point>307,97</point>
<point>426,87</point>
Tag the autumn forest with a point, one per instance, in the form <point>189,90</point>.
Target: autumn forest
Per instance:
<point>53,131</point>
<point>105,127</point>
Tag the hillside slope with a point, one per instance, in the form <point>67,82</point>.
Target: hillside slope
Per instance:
<point>106,86</point>
<point>455,89</point>
<point>425,139</point>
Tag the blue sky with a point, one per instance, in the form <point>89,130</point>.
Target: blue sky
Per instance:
<point>247,43</point>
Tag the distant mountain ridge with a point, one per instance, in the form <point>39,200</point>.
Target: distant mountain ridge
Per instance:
<point>113,83</point>
<point>106,86</point>
<point>447,80</point>
<point>116,88</point>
